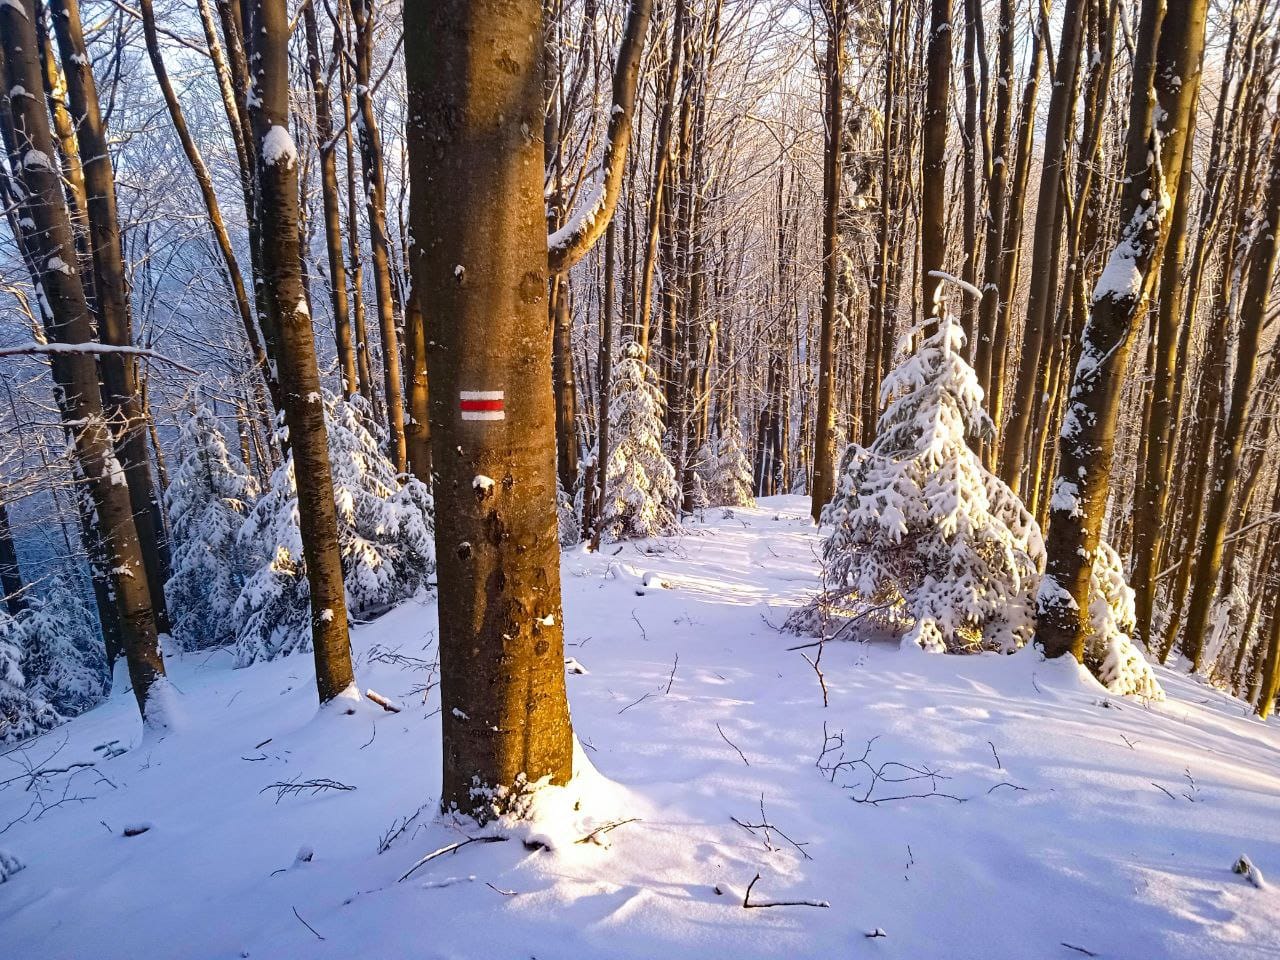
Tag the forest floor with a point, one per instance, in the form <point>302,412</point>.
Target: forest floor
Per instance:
<point>1036,816</point>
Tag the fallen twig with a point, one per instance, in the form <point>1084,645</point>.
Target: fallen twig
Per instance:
<point>304,923</point>
<point>294,787</point>
<point>606,828</point>
<point>386,704</point>
<point>734,745</point>
<point>672,679</point>
<point>1072,946</point>
<point>449,848</point>
<point>747,904</point>
<point>634,702</point>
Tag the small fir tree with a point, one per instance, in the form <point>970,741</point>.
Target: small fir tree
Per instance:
<point>385,532</point>
<point>208,498</point>
<point>920,529</point>
<point>23,713</point>
<point>641,489</point>
<point>729,481</point>
<point>65,660</point>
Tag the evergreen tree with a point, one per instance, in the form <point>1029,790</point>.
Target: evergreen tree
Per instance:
<point>919,527</point>
<point>208,497</point>
<point>729,481</point>
<point>22,712</point>
<point>65,661</point>
<point>385,530</point>
<point>640,489</point>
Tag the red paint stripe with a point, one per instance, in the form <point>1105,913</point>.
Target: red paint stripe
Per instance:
<point>474,406</point>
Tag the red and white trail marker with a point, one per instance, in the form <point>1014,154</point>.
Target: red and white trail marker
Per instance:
<point>482,404</point>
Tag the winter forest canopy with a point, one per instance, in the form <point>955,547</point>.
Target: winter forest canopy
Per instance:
<point>418,342</point>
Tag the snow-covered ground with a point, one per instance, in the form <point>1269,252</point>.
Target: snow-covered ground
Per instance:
<point>1038,817</point>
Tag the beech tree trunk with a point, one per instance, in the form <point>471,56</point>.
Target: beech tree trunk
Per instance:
<point>933,169</point>
<point>299,376</point>
<point>375,184</point>
<point>122,393</point>
<point>326,147</point>
<point>1119,301</point>
<point>1253,311</point>
<point>11,583</point>
<point>1045,245</point>
<point>480,266</point>
<point>822,484</point>
<point>47,236</point>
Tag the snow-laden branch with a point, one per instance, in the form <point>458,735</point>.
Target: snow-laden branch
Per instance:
<point>587,223</point>
<point>22,349</point>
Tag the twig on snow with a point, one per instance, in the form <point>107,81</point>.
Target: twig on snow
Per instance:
<point>747,904</point>
<point>734,745</point>
<point>295,787</point>
<point>1072,946</point>
<point>999,765</point>
<point>603,829</point>
<point>634,702</point>
<point>304,923</point>
<point>672,679</point>
<point>450,848</point>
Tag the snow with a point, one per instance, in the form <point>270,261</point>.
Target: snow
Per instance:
<point>277,146</point>
<point>1065,836</point>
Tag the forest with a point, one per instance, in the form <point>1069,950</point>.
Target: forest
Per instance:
<point>670,423</point>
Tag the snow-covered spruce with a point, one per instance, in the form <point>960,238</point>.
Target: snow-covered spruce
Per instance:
<point>22,712</point>
<point>9,865</point>
<point>65,659</point>
<point>206,503</point>
<point>726,473</point>
<point>935,547</point>
<point>1109,653</point>
<point>921,531</point>
<point>385,531</point>
<point>641,489</point>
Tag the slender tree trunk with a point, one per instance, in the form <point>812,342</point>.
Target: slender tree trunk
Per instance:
<point>327,146</point>
<point>299,375</point>
<point>12,585</point>
<point>1119,301</point>
<point>822,485</point>
<point>375,184</point>
<point>475,124</point>
<point>417,425</point>
<point>604,371</point>
<point>1253,310</point>
<point>933,169</point>
<point>122,394</point>
<point>67,320</point>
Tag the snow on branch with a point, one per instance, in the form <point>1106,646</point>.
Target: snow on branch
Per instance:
<point>23,349</point>
<point>587,224</point>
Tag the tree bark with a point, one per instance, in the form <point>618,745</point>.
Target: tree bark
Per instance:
<point>933,169</point>
<point>1045,245</point>
<point>12,586</point>
<point>480,266</point>
<point>375,183</point>
<point>822,484</point>
<point>299,376</point>
<point>66,317</point>
<point>1119,301</point>
<point>326,146</point>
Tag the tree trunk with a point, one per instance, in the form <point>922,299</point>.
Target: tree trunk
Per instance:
<point>1253,309</point>
<point>122,394</point>
<point>327,145</point>
<point>475,125</point>
<point>299,375</point>
<point>1119,301</point>
<point>66,317</point>
<point>1045,245</point>
<point>375,184</point>
<point>933,168</point>
<point>822,485</point>
<point>11,583</point>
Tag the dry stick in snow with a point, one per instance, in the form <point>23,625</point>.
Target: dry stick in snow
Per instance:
<point>449,848</point>
<point>734,745</point>
<point>672,679</point>
<point>605,828</point>
<point>747,904</point>
<point>305,924</point>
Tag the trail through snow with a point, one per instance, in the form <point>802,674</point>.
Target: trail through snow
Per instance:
<point>1087,823</point>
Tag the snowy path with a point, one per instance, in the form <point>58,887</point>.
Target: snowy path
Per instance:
<point>1062,838</point>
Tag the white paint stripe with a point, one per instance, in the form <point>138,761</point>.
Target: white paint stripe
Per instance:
<point>480,395</point>
<point>483,415</point>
